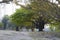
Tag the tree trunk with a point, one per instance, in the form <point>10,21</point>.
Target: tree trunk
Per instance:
<point>17,28</point>
<point>41,25</point>
<point>40,29</point>
<point>32,29</point>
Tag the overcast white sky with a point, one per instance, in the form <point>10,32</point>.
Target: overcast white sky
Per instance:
<point>8,9</point>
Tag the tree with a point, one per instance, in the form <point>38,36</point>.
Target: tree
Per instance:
<point>22,17</point>
<point>49,12</point>
<point>45,12</point>
<point>5,21</point>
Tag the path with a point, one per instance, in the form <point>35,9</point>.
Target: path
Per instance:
<point>14,35</point>
<point>45,35</point>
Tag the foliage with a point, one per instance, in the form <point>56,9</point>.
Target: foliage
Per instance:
<point>50,11</point>
<point>22,17</point>
<point>56,25</point>
<point>1,24</point>
<point>47,9</point>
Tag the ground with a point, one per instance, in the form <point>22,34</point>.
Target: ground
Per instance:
<point>45,35</point>
<point>16,35</point>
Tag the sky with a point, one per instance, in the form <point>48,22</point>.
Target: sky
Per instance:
<point>8,9</point>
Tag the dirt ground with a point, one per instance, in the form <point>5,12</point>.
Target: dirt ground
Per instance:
<point>14,35</point>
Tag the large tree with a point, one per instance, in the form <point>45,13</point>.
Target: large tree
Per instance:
<point>45,12</point>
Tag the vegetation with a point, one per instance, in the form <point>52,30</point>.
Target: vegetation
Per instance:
<point>35,14</point>
<point>38,13</point>
<point>1,24</point>
<point>5,21</point>
<point>22,17</point>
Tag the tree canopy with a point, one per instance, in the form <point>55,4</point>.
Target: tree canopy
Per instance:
<point>49,11</point>
<point>22,16</point>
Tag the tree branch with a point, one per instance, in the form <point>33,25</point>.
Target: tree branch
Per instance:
<point>15,1</point>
